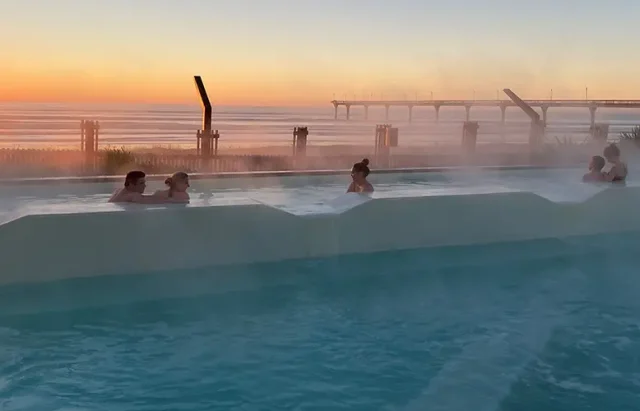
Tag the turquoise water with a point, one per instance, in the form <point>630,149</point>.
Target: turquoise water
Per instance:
<point>539,325</point>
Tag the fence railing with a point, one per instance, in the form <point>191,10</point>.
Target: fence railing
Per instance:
<point>34,162</point>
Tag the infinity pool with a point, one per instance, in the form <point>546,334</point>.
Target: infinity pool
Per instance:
<point>538,325</point>
<point>306,194</point>
<point>545,324</point>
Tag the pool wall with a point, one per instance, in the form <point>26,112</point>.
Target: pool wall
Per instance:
<point>55,246</point>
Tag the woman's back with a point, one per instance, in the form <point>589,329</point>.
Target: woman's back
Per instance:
<point>618,172</point>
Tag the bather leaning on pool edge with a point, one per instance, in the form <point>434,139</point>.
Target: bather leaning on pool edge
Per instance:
<point>135,184</point>
<point>617,173</point>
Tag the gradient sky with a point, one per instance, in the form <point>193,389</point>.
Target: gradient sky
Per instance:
<point>301,52</point>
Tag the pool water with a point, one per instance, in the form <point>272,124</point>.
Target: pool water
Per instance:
<point>538,325</point>
<point>306,195</point>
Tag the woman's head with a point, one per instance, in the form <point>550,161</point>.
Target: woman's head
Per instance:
<point>596,164</point>
<point>178,182</point>
<point>360,170</point>
<point>611,152</point>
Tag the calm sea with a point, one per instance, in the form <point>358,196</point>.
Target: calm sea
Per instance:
<point>31,124</point>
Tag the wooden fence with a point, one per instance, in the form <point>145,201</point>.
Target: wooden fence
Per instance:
<point>34,162</point>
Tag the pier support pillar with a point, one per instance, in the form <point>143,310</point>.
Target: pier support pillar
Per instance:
<point>335,111</point>
<point>592,111</point>
<point>366,112</point>
<point>468,110</point>
<point>386,113</point>
<point>348,111</point>
<point>410,114</point>
<point>544,115</point>
<point>437,107</point>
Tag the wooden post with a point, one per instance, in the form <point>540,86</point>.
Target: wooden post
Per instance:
<point>89,136</point>
<point>391,137</point>
<point>300,135</point>
<point>469,136</point>
<point>96,131</point>
<point>599,132</point>
<point>82,135</point>
<point>386,137</point>
<point>207,143</point>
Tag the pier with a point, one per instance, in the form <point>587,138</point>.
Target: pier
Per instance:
<point>544,105</point>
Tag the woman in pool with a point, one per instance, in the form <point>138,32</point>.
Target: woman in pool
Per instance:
<point>618,171</point>
<point>359,174</point>
<point>177,185</point>
<point>595,174</point>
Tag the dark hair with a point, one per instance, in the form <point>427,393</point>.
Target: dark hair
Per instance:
<point>362,166</point>
<point>132,177</point>
<point>180,175</point>
<point>598,162</point>
<point>611,151</point>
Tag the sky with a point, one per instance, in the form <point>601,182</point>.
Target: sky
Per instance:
<point>307,52</point>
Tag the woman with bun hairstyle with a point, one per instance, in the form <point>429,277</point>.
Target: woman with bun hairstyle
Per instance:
<point>177,185</point>
<point>359,174</point>
<point>618,172</point>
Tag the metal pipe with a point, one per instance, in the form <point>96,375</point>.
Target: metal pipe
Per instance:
<point>206,104</point>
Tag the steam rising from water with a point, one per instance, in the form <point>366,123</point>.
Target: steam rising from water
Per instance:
<point>310,194</point>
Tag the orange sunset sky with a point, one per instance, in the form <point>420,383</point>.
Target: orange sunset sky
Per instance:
<point>286,52</point>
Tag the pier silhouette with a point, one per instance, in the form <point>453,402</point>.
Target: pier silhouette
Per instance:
<point>544,105</point>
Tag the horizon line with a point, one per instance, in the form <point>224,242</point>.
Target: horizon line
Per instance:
<point>160,103</point>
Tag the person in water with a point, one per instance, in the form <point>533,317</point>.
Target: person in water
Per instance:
<point>133,191</point>
<point>595,173</point>
<point>359,174</point>
<point>177,185</point>
<point>618,171</point>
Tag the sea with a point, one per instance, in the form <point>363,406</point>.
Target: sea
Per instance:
<point>28,125</point>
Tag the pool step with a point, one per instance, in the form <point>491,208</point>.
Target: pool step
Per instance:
<point>483,374</point>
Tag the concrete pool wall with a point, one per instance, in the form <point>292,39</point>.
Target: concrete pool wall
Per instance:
<point>111,240</point>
